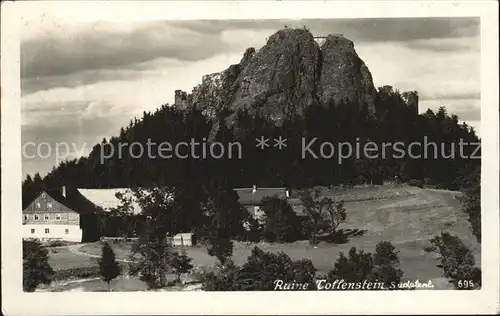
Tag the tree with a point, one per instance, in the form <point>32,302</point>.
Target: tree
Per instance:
<point>262,269</point>
<point>358,266</point>
<point>281,222</point>
<point>220,246</point>
<point>472,202</point>
<point>225,219</point>
<point>304,272</point>
<point>261,272</point>
<point>335,214</point>
<point>324,214</point>
<point>457,261</point>
<point>223,211</point>
<point>36,268</point>
<point>222,278</point>
<point>152,254</point>
<point>118,217</point>
<point>181,263</point>
<point>108,266</point>
<point>151,257</point>
<point>381,268</point>
<point>386,264</point>
<point>156,203</point>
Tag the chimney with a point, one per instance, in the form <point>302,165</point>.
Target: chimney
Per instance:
<point>63,190</point>
<point>254,189</point>
<point>287,192</point>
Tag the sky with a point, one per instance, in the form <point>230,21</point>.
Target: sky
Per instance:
<point>81,81</point>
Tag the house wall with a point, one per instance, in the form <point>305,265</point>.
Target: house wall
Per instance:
<point>44,217</point>
<point>182,239</point>
<point>43,213</point>
<point>256,212</point>
<point>55,231</point>
<point>46,210</point>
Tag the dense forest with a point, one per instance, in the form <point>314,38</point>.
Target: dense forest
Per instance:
<point>394,122</point>
<point>286,167</point>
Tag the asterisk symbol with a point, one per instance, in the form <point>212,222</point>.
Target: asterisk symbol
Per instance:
<point>280,142</point>
<point>262,142</point>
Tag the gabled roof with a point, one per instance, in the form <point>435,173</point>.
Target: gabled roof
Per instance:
<point>73,200</point>
<point>84,200</point>
<point>247,196</point>
<point>107,200</point>
<point>297,206</point>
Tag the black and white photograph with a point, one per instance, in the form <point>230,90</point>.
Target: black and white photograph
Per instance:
<point>291,156</point>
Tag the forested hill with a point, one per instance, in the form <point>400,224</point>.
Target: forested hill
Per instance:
<point>302,98</point>
<point>286,167</point>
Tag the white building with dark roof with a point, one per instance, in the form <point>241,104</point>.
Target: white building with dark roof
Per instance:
<point>73,214</point>
<point>251,199</point>
<point>61,214</point>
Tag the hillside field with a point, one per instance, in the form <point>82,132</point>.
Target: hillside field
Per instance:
<point>406,216</point>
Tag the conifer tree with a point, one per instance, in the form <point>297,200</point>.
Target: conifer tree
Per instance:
<point>181,264</point>
<point>108,266</point>
<point>36,268</point>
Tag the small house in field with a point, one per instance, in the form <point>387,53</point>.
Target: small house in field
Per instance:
<point>182,240</point>
<point>61,214</point>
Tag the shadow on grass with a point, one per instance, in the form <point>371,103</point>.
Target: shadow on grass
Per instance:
<point>342,236</point>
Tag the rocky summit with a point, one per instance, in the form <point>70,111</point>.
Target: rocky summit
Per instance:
<point>288,74</point>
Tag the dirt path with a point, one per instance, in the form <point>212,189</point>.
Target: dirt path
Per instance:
<point>75,249</point>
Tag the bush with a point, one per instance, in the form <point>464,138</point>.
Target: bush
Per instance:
<point>471,204</point>
<point>36,268</point>
<point>381,267</point>
<point>77,273</point>
<point>151,257</point>
<point>181,264</point>
<point>261,272</point>
<point>222,278</point>
<point>56,243</point>
<point>220,246</point>
<point>457,262</point>
<point>254,230</point>
<point>263,269</point>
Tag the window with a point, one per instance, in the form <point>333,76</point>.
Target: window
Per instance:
<point>58,216</point>
<point>49,204</point>
<point>66,231</point>
<point>47,230</point>
<point>36,217</point>
<point>32,230</point>
<point>25,217</point>
<point>37,204</point>
<point>43,195</point>
<point>46,216</point>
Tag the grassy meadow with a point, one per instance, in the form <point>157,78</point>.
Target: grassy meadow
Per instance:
<point>406,216</point>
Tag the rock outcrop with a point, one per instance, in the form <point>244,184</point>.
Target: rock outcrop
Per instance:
<point>344,76</point>
<point>288,74</point>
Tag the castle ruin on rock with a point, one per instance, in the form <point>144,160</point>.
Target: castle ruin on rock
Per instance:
<point>285,76</point>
